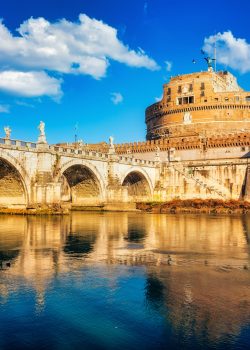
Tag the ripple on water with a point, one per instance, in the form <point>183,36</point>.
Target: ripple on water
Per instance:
<point>124,280</point>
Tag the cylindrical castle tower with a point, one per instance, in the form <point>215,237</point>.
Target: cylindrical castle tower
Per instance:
<point>199,103</point>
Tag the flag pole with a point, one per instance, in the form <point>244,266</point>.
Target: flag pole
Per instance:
<point>215,53</point>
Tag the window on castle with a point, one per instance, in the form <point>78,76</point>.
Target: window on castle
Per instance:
<point>179,88</point>
<point>226,99</point>
<point>202,93</point>
<point>185,100</point>
<point>202,86</point>
<point>247,98</point>
<point>190,87</point>
<point>169,91</point>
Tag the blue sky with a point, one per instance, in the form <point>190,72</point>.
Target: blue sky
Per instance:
<point>100,63</point>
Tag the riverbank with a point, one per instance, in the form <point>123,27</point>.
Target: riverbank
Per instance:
<point>196,206</point>
<point>53,210</point>
<point>207,206</point>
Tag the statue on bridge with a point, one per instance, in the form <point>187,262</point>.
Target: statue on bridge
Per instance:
<point>42,136</point>
<point>7,131</point>
<point>111,142</point>
<point>111,145</point>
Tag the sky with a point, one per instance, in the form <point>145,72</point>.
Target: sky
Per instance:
<point>91,67</point>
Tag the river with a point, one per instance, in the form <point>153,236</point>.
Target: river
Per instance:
<point>124,281</point>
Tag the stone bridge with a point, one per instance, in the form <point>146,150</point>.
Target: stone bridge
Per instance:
<point>37,174</point>
<point>34,174</point>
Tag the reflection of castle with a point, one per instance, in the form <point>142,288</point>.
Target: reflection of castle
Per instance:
<point>195,289</point>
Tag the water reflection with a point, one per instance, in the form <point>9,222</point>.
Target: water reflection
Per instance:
<point>203,294</point>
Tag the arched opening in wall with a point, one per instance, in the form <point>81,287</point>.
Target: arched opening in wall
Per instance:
<point>12,191</point>
<point>138,187</point>
<point>81,186</point>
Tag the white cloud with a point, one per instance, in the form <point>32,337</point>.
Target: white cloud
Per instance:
<point>24,104</point>
<point>4,109</point>
<point>83,47</point>
<point>168,66</point>
<point>116,98</point>
<point>30,84</point>
<point>158,99</point>
<point>232,52</point>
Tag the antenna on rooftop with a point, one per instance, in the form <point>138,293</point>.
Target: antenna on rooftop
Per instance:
<point>76,129</point>
<point>215,53</point>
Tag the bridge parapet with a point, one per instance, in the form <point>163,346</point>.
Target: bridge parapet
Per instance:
<point>73,152</point>
<point>15,144</point>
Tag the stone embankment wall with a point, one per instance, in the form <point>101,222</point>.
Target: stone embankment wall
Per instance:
<point>205,180</point>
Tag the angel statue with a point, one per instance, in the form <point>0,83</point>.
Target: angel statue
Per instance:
<point>41,127</point>
<point>7,131</point>
<point>111,142</point>
<point>42,137</point>
<point>209,61</point>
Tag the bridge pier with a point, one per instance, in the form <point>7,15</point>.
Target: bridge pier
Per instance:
<point>47,194</point>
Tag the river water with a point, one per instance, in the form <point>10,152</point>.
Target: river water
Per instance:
<point>125,281</point>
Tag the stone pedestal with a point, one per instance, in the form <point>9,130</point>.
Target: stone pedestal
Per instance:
<point>42,139</point>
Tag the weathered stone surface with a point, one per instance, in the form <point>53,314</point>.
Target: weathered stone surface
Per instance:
<point>11,187</point>
<point>198,103</point>
<point>31,177</point>
<point>246,193</point>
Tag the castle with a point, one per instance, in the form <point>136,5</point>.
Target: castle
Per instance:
<point>199,104</point>
<point>201,116</point>
<point>197,146</point>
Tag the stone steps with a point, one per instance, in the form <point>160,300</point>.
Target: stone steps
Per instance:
<point>209,184</point>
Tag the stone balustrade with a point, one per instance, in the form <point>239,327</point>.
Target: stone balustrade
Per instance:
<point>72,152</point>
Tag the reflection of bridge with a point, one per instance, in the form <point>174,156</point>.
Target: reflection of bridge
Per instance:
<point>44,250</point>
<point>34,174</point>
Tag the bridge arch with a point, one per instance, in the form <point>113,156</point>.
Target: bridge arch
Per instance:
<point>14,182</point>
<point>138,183</point>
<point>82,184</point>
